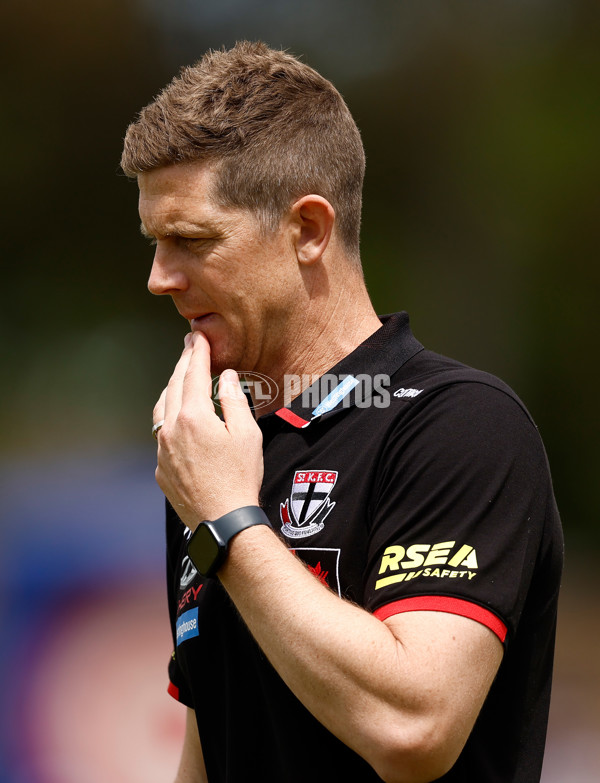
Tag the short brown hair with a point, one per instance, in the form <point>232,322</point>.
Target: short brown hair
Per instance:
<point>275,128</point>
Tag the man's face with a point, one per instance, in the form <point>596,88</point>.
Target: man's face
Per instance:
<point>227,279</point>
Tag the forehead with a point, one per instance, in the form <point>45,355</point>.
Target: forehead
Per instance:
<point>177,198</point>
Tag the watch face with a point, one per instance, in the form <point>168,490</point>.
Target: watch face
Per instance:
<point>203,549</point>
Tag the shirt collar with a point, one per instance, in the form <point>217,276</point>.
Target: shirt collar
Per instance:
<point>356,378</point>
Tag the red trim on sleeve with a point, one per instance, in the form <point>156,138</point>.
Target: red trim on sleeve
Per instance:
<point>287,415</point>
<point>173,691</point>
<point>442,603</point>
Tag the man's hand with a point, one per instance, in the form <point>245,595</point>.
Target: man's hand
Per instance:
<point>206,466</point>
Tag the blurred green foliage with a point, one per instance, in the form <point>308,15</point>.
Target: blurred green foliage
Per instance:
<point>481,213</point>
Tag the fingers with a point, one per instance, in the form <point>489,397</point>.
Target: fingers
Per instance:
<point>197,451</point>
<point>173,394</point>
<point>158,414</point>
<point>196,388</point>
<point>236,411</point>
<point>190,387</point>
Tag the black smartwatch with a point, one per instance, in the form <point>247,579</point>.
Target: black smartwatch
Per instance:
<point>208,546</point>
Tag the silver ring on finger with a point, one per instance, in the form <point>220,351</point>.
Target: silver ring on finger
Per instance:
<point>156,428</point>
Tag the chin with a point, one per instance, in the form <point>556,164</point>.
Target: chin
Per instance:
<point>217,366</point>
<point>223,356</point>
<point>224,360</point>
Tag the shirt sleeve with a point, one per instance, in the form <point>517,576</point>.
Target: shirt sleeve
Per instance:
<point>461,498</point>
<point>177,686</point>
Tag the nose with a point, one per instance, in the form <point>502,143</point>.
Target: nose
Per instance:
<point>166,275</point>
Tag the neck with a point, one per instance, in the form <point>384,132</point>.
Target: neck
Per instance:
<point>324,328</point>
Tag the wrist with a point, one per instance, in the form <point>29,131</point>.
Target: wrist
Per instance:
<point>209,545</point>
<point>220,507</point>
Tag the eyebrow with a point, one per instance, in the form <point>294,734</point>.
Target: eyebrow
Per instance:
<point>181,229</point>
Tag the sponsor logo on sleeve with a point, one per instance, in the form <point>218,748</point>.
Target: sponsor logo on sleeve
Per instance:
<point>304,512</point>
<point>190,596</point>
<point>187,626</point>
<point>188,573</point>
<point>444,560</point>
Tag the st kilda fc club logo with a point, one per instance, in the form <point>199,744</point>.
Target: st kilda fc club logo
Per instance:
<point>304,512</point>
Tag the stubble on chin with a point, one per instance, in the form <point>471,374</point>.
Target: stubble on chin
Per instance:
<point>223,360</point>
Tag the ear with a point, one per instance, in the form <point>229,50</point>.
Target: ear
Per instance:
<point>312,218</point>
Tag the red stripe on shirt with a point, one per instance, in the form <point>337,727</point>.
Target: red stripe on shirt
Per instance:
<point>442,603</point>
<point>173,691</point>
<point>287,415</point>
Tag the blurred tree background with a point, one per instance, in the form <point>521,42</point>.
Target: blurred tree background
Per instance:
<point>481,124</point>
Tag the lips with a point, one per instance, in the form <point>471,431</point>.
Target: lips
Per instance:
<point>199,321</point>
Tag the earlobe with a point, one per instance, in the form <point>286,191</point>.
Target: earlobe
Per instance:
<point>313,218</point>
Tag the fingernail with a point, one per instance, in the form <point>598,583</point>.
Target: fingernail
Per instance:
<point>232,381</point>
<point>187,339</point>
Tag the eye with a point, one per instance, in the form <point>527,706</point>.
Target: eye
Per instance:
<point>196,243</point>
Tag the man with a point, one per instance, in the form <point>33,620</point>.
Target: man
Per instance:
<point>374,593</point>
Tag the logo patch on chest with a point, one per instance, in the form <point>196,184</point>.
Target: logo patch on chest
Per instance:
<point>324,564</point>
<point>304,512</point>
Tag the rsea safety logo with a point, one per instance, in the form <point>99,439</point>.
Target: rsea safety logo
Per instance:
<point>427,561</point>
<point>187,626</point>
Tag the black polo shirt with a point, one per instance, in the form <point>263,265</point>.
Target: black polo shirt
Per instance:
<point>405,481</point>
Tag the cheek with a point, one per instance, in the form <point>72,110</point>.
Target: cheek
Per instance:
<point>251,288</point>
<point>253,279</point>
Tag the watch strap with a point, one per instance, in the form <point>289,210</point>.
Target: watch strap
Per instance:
<point>209,544</point>
<point>229,525</point>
